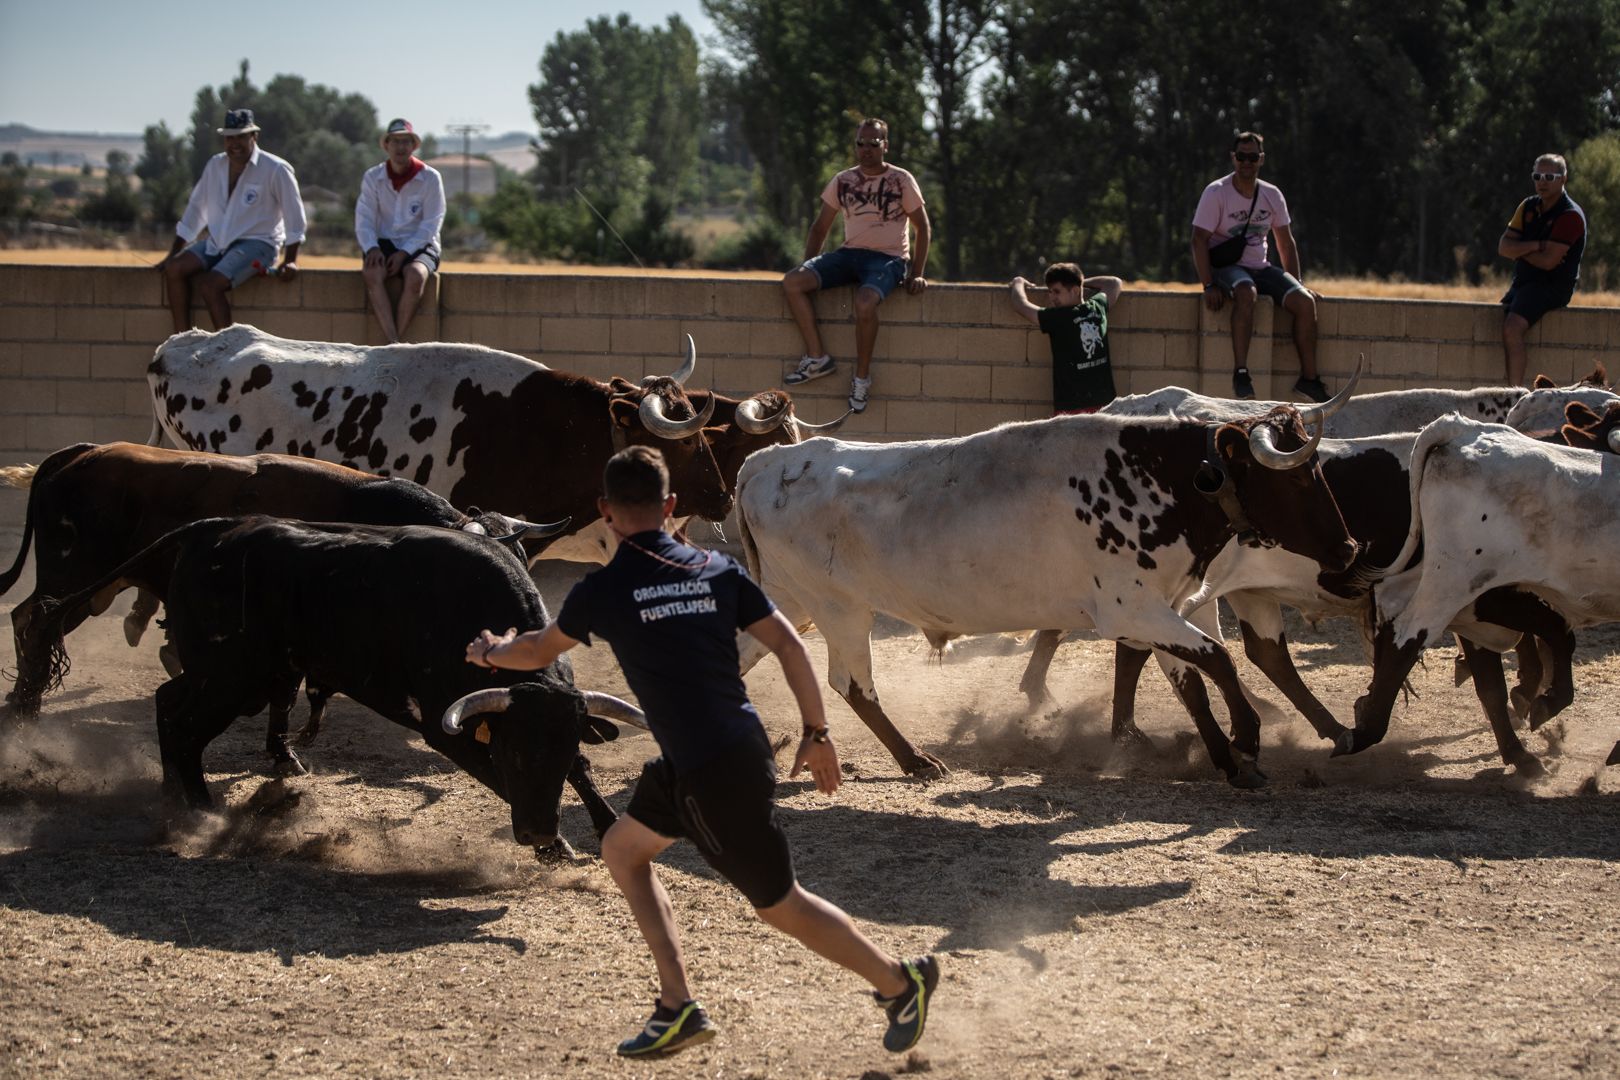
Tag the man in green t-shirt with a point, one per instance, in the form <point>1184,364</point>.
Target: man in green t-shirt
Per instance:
<point>1077,324</point>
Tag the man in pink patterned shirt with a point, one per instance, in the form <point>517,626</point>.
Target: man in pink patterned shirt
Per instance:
<point>878,201</point>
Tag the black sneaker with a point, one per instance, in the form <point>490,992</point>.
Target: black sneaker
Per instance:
<point>1242,385</point>
<point>1311,388</point>
<point>908,1013</point>
<point>669,1031</point>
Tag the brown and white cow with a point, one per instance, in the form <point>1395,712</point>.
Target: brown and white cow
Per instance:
<point>478,426</point>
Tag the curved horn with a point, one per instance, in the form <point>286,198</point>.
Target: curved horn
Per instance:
<point>689,365</point>
<point>479,701</point>
<point>1614,440</point>
<point>611,708</point>
<point>808,430</point>
<point>656,421</point>
<point>1315,414</point>
<point>749,420</point>
<point>1263,445</point>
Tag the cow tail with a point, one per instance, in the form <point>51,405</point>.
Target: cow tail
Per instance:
<point>1435,433</point>
<point>18,476</point>
<point>51,606</point>
<point>34,478</point>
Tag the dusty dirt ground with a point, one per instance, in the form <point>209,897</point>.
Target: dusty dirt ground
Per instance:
<point>1409,912</point>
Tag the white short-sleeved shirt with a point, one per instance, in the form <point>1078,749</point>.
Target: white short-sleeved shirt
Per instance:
<point>1224,211</point>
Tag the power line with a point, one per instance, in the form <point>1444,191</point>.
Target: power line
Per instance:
<point>466,131</point>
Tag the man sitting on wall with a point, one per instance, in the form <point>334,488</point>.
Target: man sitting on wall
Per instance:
<point>397,221</point>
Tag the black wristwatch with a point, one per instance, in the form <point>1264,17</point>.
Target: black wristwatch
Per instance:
<point>817,734</point>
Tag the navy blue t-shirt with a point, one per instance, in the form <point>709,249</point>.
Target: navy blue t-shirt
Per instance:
<point>673,629</point>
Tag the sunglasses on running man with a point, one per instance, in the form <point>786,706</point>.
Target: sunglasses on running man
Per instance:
<point>1547,176</point>
<point>1245,156</point>
<point>868,142</point>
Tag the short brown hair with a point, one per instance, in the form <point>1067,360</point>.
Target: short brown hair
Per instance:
<point>636,476</point>
<point>1556,159</point>
<point>879,126</point>
<point>1250,136</point>
<point>1064,274</point>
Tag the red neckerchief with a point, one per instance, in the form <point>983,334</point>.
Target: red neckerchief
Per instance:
<point>398,181</point>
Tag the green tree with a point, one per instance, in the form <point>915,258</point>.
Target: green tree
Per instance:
<point>116,204</point>
<point>1594,178</point>
<point>13,186</point>
<point>165,176</point>
<point>329,137</point>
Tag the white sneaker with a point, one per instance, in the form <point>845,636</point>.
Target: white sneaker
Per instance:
<point>859,390</point>
<point>810,367</point>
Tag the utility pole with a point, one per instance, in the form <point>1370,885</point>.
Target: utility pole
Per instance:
<point>466,130</point>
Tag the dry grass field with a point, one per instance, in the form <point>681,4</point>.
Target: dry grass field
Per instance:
<point>1411,912</point>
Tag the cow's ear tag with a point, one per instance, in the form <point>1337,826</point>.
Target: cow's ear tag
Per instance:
<point>481,732</point>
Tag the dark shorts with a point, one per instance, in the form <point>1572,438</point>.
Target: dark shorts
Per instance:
<point>428,256</point>
<point>1268,280</point>
<point>859,266</point>
<point>726,808</point>
<point>1532,299</point>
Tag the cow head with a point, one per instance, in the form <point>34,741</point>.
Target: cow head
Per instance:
<point>532,731</point>
<point>1266,468</point>
<point>1598,378</point>
<point>1586,429</point>
<point>738,428</point>
<point>659,413</point>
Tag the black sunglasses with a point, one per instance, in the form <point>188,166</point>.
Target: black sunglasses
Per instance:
<point>868,142</point>
<point>1243,155</point>
<point>1548,176</point>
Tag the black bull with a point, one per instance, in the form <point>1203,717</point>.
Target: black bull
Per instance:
<point>382,615</point>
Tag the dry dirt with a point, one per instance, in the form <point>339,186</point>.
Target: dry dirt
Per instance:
<point>1409,912</point>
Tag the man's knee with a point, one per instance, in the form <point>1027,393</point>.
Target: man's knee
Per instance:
<point>373,273</point>
<point>800,280</point>
<point>213,284</point>
<point>414,278</point>
<point>1244,294</point>
<point>1301,305</point>
<point>867,300</point>
<point>1514,327</point>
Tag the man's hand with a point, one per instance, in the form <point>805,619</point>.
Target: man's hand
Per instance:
<point>1214,298</point>
<point>373,259</point>
<point>288,271</point>
<point>478,648</point>
<point>822,761</point>
<point>396,263</point>
<point>916,285</point>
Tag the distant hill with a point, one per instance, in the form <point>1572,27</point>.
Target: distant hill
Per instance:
<point>65,149</point>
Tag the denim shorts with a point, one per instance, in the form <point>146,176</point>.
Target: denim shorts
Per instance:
<point>850,266</point>
<point>1530,300</point>
<point>1268,280</point>
<point>242,260</point>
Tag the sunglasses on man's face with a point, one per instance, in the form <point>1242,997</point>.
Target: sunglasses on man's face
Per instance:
<point>1538,177</point>
<point>869,142</point>
<point>1245,156</point>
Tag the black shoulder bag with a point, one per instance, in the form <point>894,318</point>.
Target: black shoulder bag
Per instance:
<point>1230,250</point>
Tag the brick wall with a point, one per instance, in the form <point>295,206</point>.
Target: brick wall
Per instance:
<point>75,341</point>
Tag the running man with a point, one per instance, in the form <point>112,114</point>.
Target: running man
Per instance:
<point>671,612</point>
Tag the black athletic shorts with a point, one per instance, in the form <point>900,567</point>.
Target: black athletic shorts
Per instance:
<point>428,256</point>
<point>1533,299</point>
<point>727,808</point>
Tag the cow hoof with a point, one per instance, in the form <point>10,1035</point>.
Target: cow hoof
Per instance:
<point>1530,767</point>
<point>305,736</point>
<point>1523,706</point>
<point>170,659</point>
<point>1132,740</point>
<point>1247,778</point>
<point>290,766</point>
<point>1539,713</point>
<point>557,852</point>
<point>1346,744</point>
<point>1460,672</point>
<point>134,629</point>
<point>926,767</point>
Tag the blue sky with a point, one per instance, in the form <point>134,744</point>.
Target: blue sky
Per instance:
<point>118,65</point>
